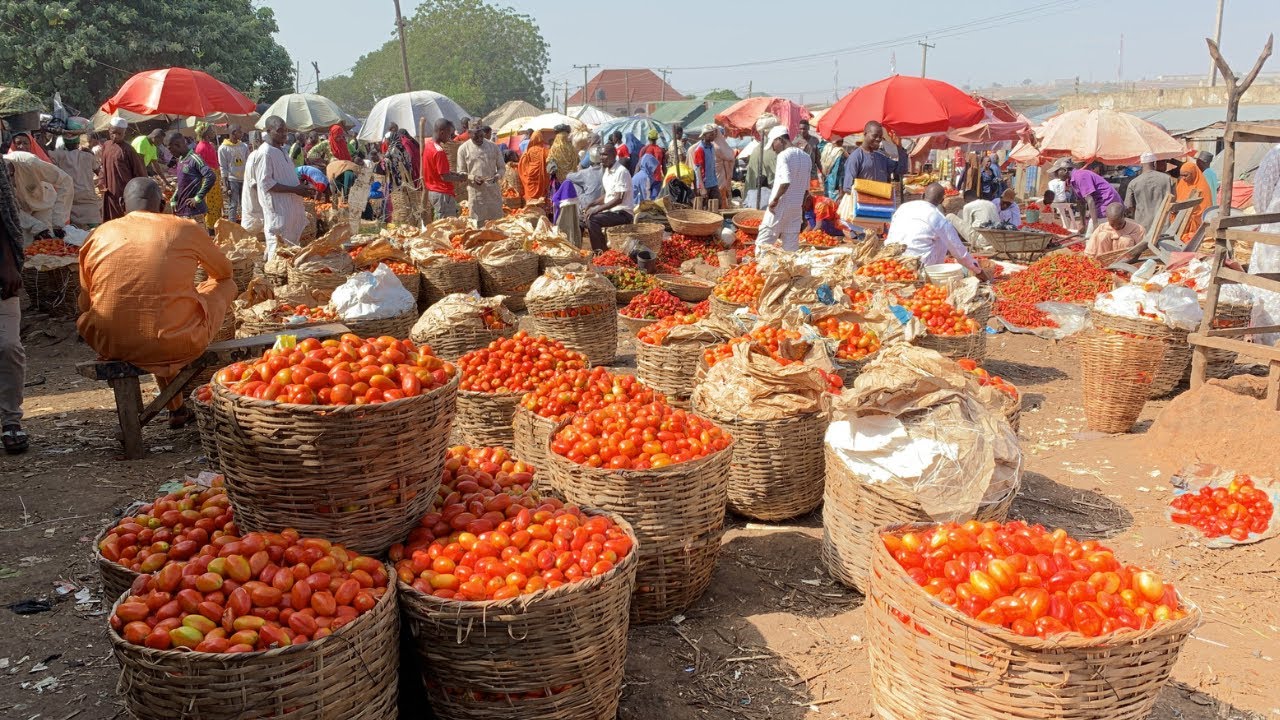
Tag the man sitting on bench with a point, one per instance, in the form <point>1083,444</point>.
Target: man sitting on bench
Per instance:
<point>138,300</point>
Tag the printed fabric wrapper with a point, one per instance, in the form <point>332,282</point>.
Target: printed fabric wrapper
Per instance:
<point>1198,475</point>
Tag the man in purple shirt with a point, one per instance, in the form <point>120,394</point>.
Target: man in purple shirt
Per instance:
<point>195,180</point>
<point>1096,191</point>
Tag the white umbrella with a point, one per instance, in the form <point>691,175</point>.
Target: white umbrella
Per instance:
<point>548,121</point>
<point>304,112</point>
<point>590,114</point>
<point>406,109</point>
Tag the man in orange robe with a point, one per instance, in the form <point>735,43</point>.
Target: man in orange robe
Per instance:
<point>138,299</point>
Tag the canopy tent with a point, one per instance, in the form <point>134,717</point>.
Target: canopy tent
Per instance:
<point>637,126</point>
<point>678,111</point>
<point>545,122</point>
<point>1108,136</point>
<point>590,115</point>
<point>177,91</point>
<point>304,112</point>
<point>1025,153</point>
<point>740,118</point>
<point>708,115</point>
<point>101,121</point>
<point>406,109</point>
<point>1000,124</point>
<point>906,106</point>
<point>508,111</point>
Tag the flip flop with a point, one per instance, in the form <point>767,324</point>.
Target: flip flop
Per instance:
<point>15,440</point>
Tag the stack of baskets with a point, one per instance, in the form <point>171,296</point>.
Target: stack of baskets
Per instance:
<point>695,223</point>
<point>648,235</point>
<point>677,513</point>
<point>929,660</point>
<point>1118,372</point>
<point>446,276</point>
<point>1177,351</point>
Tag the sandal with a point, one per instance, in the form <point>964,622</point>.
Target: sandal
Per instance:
<point>181,418</point>
<point>15,439</point>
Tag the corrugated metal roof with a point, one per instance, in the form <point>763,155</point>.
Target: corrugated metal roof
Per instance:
<point>708,116</point>
<point>1178,121</point>
<point>678,111</point>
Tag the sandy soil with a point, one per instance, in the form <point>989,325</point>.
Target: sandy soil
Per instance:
<point>775,637</point>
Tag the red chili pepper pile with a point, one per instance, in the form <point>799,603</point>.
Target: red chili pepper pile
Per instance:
<point>1053,278</point>
<point>1048,227</point>
<point>654,305</point>
<point>613,258</point>
<point>680,248</point>
<point>1024,315</point>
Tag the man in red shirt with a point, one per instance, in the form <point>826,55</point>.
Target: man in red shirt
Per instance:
<point>437,177</point>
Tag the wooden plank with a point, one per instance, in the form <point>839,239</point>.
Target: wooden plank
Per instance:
<point>1237,332</point>
<point>1262,352</point>
<point>109,370</point>
<point>1255,236</point>
<point>167,393</point>
<point>1273,385</point>
<point>1252,132</point>
<point>1242,220</point>
<point>1259,281</point>
<point>1199,364</point>
<point>129,413</point>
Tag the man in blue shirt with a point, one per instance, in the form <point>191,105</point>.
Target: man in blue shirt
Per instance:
<point>867,162</point>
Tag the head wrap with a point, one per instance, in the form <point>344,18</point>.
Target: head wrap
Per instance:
<point>201,127</point>
<point>1010,194</point>
<point>562,128</point>
<point>119,123</point>
<point>778,132</point>
<point>1147,158</point>
<point>653,134</point>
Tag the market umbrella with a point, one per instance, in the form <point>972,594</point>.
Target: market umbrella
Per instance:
<point>15,101</point>
<point>740,118</point>
<point>304,112</point>
<point>1000,124</point>
<point>591,115</point>
<point>638,126</point>
<point>547,121</point>
<point>508,111</point>
<point>1111,137</point>
<point>406,109</point>
<point>177,91</point>
<point>907,106</point>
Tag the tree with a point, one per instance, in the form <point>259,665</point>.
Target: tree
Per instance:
<point>721,95</point>
<point>85,49</point>
<point>478,54</point>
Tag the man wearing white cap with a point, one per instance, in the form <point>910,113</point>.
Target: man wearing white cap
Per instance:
<point>785,216</point>
<point>120,164</point>
<point>1147,191</point>
<point>703,159</point>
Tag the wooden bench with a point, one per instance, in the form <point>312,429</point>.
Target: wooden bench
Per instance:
<point>123,378</point>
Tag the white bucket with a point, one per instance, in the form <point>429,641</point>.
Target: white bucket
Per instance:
<point>946,275</point>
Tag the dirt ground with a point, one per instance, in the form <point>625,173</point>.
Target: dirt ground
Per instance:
<point>775,637</point>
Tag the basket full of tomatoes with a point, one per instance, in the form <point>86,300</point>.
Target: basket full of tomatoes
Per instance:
<point>342,439</point>
<point>577,307</point>
<point>666,471</point>
<point>263,625</point>
<point>667,361</point>
<point>1043,623</point>
<point>949,330</point>
<point>446,273</point>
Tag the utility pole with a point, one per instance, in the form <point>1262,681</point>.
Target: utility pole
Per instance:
<point>663,92</point>
<point>404,49</point>
<point>297,76</point>
<point>626,89</point>
<point>1217,40</point>
<point>924,56</point>
<point>316,65</point>
<point>555,92</point>
<point>566,96</point>
<point>584,69</point>
<point>1120,63</point>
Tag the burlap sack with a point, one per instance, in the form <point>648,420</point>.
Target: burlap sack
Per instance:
<point>573,281</point>
<point>752,385</point>
<point>459,311</point>
<point>326,253</point>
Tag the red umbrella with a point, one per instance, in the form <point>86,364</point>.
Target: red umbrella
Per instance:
<point>740,118</point>
<point>905,105</point>
<point>178,91</point>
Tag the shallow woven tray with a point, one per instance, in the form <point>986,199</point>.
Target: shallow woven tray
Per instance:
<point>351,674</point>
<point>668,369</point>
<point>691,290</point>
<point>446,277</point>
<point>647,234</point>
<point>572,639</point>
<point>678,516</point>
<point>1177,352</point>
<point>940,663</point>
<point>397,327</point>
<point>55,291</point>
<point>594,335</point>
<point>854,509</point>
<point>453,343</point>
<point>360,475</point>
<point>626,296</point>
<point>741,215</point>
<point>696,223</point>
<point>484,419</point>
<point>634,325</point>
<point>1117,372</point>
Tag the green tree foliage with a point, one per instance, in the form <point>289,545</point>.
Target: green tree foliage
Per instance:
<point>478,54</point>
<point>715,95</point>
<point>86,49</point>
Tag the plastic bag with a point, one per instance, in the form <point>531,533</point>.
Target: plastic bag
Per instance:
<point>1071,319</point>
<point>372,296</point>
<point>74,236</point>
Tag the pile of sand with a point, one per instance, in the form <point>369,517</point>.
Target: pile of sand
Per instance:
<point>1225,422</point>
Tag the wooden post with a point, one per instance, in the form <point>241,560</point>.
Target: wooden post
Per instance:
<point>1199,356</point>
<point>129,412</point>
<point>1235,90</point>
<point>404,48</point>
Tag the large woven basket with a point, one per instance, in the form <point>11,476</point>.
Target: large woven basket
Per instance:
<point>626,296</point>
<point>532,433</point>
<point>741,215</point>
<point>647,234</point>
<point>688,289</point>
<point>397,327</point>
<point>55,291</point>
<point>695,223</point>
<point>447,277</point>
<point>853,510</point>
<point>1228,315</point>
<point>678,515</point>
<point>972,346</point>
<point>350,674</point>
<point>1177,351</point>
<point>484,419</point>
<point>453,343</point>
<point>248,327</point>
<point>553,655</point>
<point>723,308</point>
<point>848,370</point>
<point>931,661</point>
<point>594,334</point>
<point>204,423</point>
<point>116,578</point>
<point>1117,372</point>
<point>509,279</point>
<point>316,280</point>
<point>634,325</point>
<point>360,475</point>
<point>776,472</point>
<point>669,369</point>
<point>241,272</point>
<point>227,330</point>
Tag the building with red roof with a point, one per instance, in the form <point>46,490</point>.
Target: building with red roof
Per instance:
<point>626,92</point>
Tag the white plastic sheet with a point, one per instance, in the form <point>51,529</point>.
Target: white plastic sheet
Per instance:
<point>372,296</point>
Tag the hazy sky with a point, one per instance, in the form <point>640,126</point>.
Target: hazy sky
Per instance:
<point>791,49</point>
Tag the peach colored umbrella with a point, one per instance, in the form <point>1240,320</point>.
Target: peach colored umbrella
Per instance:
<point>1114,138</point>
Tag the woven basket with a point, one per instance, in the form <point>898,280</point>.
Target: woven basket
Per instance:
<point>446,278</point>
<point>204,423</point>
<point>453,343</point>
<point>547,261</point>
<point>626,296</point>
<point>940,663</point>
<point>848,370</point>
<point>360,475</point>
<point>1013,412</point>
<point>1117,374</point>
<point>1177,351</point>
<point>411,282</point>
<point>741,215</point>
<point>509,279</point>
<point>853,510</point>
<point>532,433</point>
<point>55,291</point>
<point>397,327</point>
<point>723,308</point>
<point>248,327</point>
<point>316,280</point>
<point>635,325</point>
<point>776,472</point>
<point>972,346</point>
<point>1017,245</point>
<point>695,223</point>
<point>116,578</point>
<point>227,330</point>
<point>594,335</point>
<point>241,272</point>
<point>669,369</point>
<point>350,674</point>
<point>484,419</point>
<point>567,644</point>
<point>690,290</point>
<point>647,234</point>
<point>678,515</point>
<point>311,230</point>
<point>1221,362</point>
